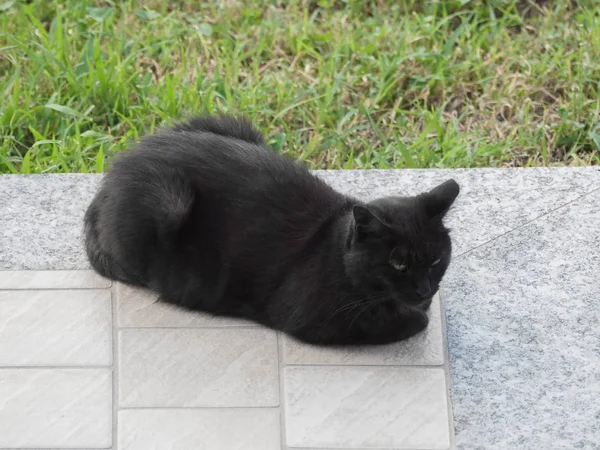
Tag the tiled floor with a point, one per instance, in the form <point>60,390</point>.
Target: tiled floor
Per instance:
<point>521,300</point>
<point>87,365</point>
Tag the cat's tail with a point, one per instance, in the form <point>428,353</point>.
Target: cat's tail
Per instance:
<point>134,220</point>
<point>101,260</point>
<point>171,200</point>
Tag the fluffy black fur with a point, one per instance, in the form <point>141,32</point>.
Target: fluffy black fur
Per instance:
<point>211,219</point>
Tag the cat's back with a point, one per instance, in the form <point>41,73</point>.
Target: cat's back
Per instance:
<point>224,156</point>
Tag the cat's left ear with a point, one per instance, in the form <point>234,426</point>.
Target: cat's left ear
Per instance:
<point>437,202</point>
<point>366,222</point>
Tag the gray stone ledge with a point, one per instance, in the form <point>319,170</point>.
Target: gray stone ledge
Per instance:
<point>521,296</point>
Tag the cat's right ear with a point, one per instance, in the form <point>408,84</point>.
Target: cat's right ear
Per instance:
<point>365,221</point>
<point>438,201</point>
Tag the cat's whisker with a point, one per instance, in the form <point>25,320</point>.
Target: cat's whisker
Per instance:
<point>350,306</point>
<point>372,302</point>
<point>343,308</point>
<point>366,308</point>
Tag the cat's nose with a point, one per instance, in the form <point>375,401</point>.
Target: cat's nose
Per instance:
<point>423,288</point>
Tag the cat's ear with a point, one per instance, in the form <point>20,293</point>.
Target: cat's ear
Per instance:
<point>365,221</point>
<point>362,215</point>
<point>437,202</point>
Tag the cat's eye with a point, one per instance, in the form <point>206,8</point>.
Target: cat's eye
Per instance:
<point>399,267</point>
<point>435,263</point>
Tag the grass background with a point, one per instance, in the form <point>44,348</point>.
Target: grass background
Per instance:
<point>340,84</point>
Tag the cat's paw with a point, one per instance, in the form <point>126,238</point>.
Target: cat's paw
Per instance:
<point>426,305</point>
<point>414,324</point>
<point>421,320</point>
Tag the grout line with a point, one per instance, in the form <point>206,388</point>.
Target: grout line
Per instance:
<point>382,366</point>
<point>283,448</point>
<point>88,270</point>
<point>106,367</point>
<point>115,374</point>
<point>359,448</point>
<point>552,211</point>
<point>202,408</point>
<point>51,289</point>
<point>280,367</point>
<point>200,327</point>
<point>450,403</point>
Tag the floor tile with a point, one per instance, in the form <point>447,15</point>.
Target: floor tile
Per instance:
<point>366,407</point>
<point>55,408</point>
<point>52,279</point>
<point>55,328</point>
<point>194,429</point>
<point>198,367</point>
<point>426,348</point>
<point>140,308</point>
<point>524,335</point>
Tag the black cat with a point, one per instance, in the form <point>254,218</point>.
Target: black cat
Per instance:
<point>211,219</point>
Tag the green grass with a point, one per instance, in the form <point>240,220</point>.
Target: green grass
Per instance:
<point>340,84</point>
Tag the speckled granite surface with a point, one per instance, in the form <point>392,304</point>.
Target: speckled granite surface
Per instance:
<point>521,297</point>
<point>41,220</point>
<point>524,333</point>
<point>42,214</point>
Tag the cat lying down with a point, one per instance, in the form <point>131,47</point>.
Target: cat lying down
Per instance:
<point>211,219</point>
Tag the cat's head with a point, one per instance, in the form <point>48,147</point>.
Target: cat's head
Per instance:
<point>399,245</point>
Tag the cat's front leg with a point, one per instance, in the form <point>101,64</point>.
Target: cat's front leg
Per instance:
<point>414,324</point>
<point>426,305</point>
<point>408,326</point>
